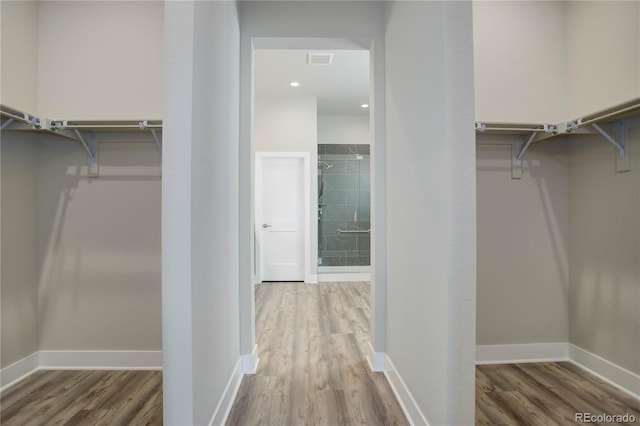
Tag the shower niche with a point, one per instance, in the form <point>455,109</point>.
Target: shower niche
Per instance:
<point>344,226</point>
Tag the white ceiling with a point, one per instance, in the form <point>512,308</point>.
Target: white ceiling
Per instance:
<point>340,87</point>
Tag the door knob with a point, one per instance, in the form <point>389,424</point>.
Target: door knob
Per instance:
<point>264,225</point>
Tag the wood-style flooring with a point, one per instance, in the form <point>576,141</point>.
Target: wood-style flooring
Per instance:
<point>84,397</point>
<point>546,394</point>
<point>312,369</point>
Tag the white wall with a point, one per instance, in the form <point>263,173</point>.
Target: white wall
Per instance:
<point>200,209</point>
<point>99,247</point>
<point>19,46</point>
<point>520,61</point>
<point>19,276</point>
<point>291,125</point>
<point>286,124</point>
<point>603,55</point>
<point>523,243</point>
<point>100,60</point>
<point>604,244</point>
<point>431,206</point>
<point>344,129</point>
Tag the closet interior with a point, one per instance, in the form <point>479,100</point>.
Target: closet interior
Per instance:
<point>557,127</point>
<point>81,186</point>
<point>558,185</point>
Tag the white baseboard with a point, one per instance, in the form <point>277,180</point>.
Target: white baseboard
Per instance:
<point>228,396</point>
<point>17,371</point>
<point>528,352</point>
<point>344,277</point>
<point>101,360</point>
<point>617,376</point>
<point>250,361</point>
<point>406,400</point>
<point>374,359</point>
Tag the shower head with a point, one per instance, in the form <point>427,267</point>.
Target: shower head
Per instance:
<point>324,163</point>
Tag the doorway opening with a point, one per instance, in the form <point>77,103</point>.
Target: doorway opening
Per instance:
<point>316,102</point>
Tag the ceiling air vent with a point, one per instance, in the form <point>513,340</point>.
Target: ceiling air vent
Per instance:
<point>319,58</point>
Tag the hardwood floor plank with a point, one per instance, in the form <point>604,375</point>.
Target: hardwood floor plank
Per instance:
<point>84,400</point>
<point>545,394</point>
<point>89,397</point>
<point>29,389</point>
<point>537,393</point>
<point>312,367</point>
<point>527,410</point>
<point>595,391</point>
<point>43,403</point>
<point>563,392</point>
<point>57,404</point>
<point>496,377</point>
<point>139,394</point>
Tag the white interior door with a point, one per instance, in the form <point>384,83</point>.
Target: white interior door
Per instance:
<point>281,219</point>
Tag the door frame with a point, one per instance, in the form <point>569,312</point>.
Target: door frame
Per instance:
<point>308,227</point>
<point>288,36</point>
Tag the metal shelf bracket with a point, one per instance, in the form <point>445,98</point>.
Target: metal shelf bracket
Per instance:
<point>145,125</point>
<point>6,124</point>
<point>517,153</point>
<point>157,139</point>
<point>622,157</point>
<point>92,151</point>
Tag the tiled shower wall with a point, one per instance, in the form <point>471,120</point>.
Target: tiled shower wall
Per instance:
<point>343,203</point>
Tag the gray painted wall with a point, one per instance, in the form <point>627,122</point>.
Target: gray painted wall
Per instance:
<point>19,276</point>
<point>19,47</point>
<point>96,268</point>
<point>559,249</point>
<point>431,206</point>
<point>98,261</point>
<point>523,243</point>
<point>604,247</point>
<point>615,77</point>
<point>555,75</point>
<point>106,37</point>
<point>200,208</point>
<point>215,203</point>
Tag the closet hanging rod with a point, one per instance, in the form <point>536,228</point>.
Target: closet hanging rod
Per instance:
<point>24,118</point>
<point>514,128</point>
<point>585,122</point>
<point>510,129</point>
<point>140,126</point>
<point>112,126</point>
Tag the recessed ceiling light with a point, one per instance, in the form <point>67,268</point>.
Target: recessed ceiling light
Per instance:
<point>294,84</point>
<point>365,105</point>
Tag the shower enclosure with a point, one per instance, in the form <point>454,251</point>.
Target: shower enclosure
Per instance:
<point>343,208</point>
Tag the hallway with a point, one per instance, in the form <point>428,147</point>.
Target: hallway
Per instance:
<point>312,369</point>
